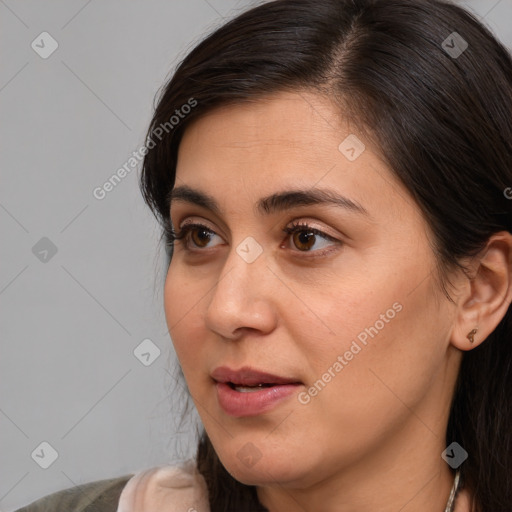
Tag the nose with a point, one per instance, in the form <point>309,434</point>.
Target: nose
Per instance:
<point>242,299</point>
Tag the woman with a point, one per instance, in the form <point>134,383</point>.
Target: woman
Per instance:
<point>333,179</point>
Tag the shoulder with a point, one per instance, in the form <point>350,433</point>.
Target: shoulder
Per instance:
<point>97,496</point>
<point>157,489</point>
<point>164,488</point>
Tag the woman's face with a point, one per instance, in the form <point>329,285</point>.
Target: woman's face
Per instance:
<point>348,316</point>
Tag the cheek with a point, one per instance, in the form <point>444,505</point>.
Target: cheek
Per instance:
<point>388,316</point>
<point>388,342</point>
<point>389,360</point>
<point>182,305</point>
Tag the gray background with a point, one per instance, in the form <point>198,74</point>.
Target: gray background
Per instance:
<point>71,323</point>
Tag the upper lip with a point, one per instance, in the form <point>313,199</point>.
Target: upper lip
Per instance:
<point>247,376</point>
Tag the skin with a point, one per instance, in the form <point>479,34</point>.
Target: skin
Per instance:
<point>372,438</point>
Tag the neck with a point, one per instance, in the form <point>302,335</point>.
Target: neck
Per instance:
<point>393,477</point>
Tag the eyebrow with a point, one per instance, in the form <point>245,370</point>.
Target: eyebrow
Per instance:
<point>277,202</point>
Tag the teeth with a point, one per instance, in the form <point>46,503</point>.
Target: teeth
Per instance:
<point>243,389</point>
<point>250,389</point>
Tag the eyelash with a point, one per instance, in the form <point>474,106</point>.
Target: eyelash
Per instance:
<point>172,236</point>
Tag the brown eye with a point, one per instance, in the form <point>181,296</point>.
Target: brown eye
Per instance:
<point>200,236</point>
<point>196,237</point>
<point>304,240</point>
<point>310,240</point>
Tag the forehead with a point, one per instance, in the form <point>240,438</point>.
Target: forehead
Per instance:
<point>282,123</point>
<point>287,140</point>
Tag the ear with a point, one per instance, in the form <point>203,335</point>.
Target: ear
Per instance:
<point>486,295</point>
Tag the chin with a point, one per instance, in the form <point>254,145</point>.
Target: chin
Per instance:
<point>255,467</point>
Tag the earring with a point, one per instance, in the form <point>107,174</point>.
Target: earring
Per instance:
<point>471,335</point>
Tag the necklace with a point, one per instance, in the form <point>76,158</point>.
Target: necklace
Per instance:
<point>453,493</point>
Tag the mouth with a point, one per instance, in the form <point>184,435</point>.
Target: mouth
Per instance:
<point>249,392</point>
<point>248,389</point>
<point>248,379</point>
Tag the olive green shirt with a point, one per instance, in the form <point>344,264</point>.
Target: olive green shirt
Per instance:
<point>98,496</point>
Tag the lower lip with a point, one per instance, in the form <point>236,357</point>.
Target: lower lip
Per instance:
<point>237,404</point>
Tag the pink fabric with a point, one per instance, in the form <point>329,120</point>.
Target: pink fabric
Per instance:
<point>166,489</point>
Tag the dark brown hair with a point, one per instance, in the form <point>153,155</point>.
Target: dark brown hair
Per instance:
<point>443,123</point>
